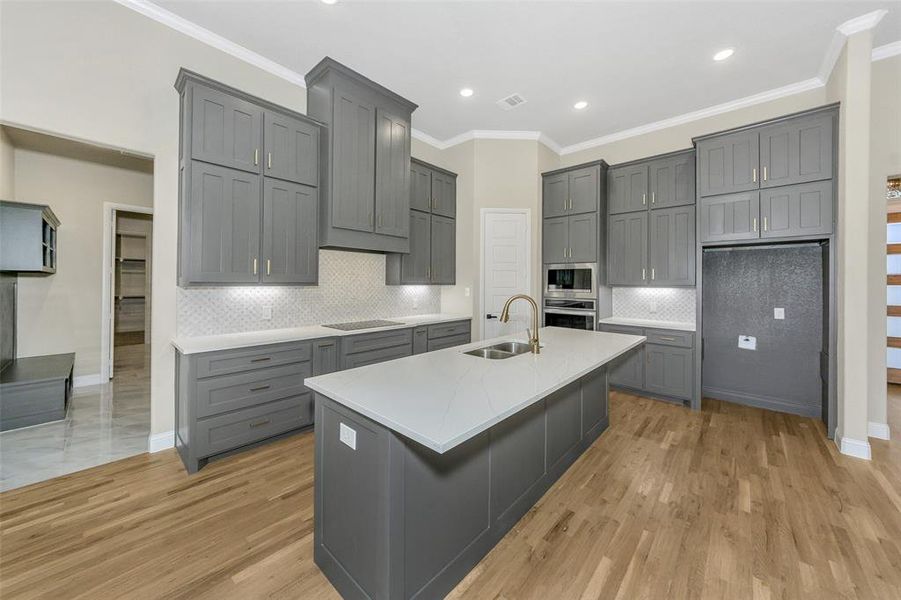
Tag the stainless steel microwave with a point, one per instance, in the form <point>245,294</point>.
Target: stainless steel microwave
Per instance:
<point>573,280</point>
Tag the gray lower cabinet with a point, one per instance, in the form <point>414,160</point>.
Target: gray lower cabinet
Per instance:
<point>290,249</point>
<point>728,163</point>
<point>671,236</point>
<point>325,356</point>
<point>35,390</point>
<point>663,367</point>
<point>628,371</point>
<point>729,217</point>
<point>669,371</point>
<point>628,249</point>
<point>805,209</point>
<point>448,335</point>
<point>292,149</point>
<point>371,348</point>
<point>420,339</point>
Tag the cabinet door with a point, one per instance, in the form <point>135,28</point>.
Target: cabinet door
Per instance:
<point>628,370</point>
<point>555,240</point>
<point>583,238</point>
<point>796,151</point>
<point>672,181</point>
<point>392,175</point>
<point>731,217</point>
<point>224,233</point>
<point>444,194</point>
<point>325,356</point>
<point>292,149</point>
<point>627,255</point>
<point>728,163</point>
<point>414,267</point>
<point>584,189</point>
<point>668,371</point>
<point>444,252</point>
<point>290,240</point>
<point>804,209</point>
<point>672,246</point>
<point>225,130</point>
<point>628,188</point>
<point>353,186</point>
<point>420,340</point>
<point>555,195</point>
<point>420,187</point>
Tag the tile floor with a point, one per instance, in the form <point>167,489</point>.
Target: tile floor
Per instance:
<point>104,423</point>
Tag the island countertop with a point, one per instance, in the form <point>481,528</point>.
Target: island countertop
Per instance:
<point>441,399</point>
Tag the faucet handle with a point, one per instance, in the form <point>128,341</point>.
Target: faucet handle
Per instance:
<point>529,333</point>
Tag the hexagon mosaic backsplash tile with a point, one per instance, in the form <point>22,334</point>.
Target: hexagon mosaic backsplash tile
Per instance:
<point>351,288</point>
<point>672,304</point>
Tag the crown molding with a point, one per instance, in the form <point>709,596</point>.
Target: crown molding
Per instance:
<point>862,23</point>
<point>486,134</point>
<point>887,51</point>
<point>849,27</point>
<point>201,34</point>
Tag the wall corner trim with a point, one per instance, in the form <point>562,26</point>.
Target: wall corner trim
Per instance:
<point>851,447</point>
<point>86,380</point>
<point>157,442</point>
<point>879,431</point>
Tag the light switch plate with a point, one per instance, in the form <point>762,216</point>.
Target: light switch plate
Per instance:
<point>747,342</point>
<point>266,313</point>
<point>779,313</point>
<point>466,292</point>
<point>347,436</point>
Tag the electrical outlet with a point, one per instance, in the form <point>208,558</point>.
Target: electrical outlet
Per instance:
<point>747,342</point>
<point>466,292</point>
<point>266,313</point>
<point>415,302</point>
<point>347,436</point>
<point>652,306</point>
<point>779,313</point>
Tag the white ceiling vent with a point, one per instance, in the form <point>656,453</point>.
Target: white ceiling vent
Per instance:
<point>511,101</point>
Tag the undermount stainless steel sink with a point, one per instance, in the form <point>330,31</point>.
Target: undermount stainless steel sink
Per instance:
<point>501,350</point>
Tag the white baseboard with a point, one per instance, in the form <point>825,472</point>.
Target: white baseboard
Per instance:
<point>852,447</point>
<point>86,380</point>
<point>878,430</point>
<point>161,441</point>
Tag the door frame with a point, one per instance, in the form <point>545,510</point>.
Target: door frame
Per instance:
<point>483,213</point>
<point>106,295</point>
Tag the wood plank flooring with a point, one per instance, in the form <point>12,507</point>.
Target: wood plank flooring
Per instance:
<point>730,502</point>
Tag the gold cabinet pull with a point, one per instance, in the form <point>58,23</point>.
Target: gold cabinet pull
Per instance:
<point>259,423</point>
<point>256,156</point>
<point>652,273</point>
<point>754,224</point>
<point>667,339</point>
<point>644,199</point>
<point>643,274</point>
<point>269,160</point>
<point>260,388</point>
<point>764,173</point>
<point>754,174</point>
<point>254,266</point>
<point>765,227</point>
<point>268,266</point>
<point>653,197</point>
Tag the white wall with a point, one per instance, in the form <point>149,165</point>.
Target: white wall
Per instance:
<point>7,167</point>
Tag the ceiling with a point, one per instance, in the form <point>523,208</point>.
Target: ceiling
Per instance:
<point>633,62</point>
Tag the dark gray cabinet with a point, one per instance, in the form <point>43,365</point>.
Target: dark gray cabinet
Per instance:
<point>420,187</point>
<point>628,371</point>
<point>671,234</point>
<point>415,266</point>
<point>796,151</point>
<point>571,192</point>
<point>572,239</point>
<point>728,163</point>
<point>325,356</point>
<point>628,249</point>
<point>663,366</point>
<point>444,193</point>
<point>365,181</point>
<point>627,188</point>
<point>443,243</point>
<point>730,217</point>
<point>794,210</point>
<point>28,241</point>
<point>248,195</point>
<point>290,249</point>
<point>555,195</point>
<point>669,371</point>
<point>555,240</point>
<point>672,181</point>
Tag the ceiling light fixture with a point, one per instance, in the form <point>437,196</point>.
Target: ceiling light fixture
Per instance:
<point>329,1</point>
<point>723,54</point>
<point>466,92</point>
<point>580,105</point>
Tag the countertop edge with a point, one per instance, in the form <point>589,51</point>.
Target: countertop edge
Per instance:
<point>649,324</point>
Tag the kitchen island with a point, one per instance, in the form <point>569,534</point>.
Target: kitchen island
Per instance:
<point>424,463</point>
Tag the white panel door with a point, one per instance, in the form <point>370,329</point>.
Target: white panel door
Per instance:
<point>505,260</point>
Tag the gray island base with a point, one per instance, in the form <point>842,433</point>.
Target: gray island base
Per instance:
<point>395,519</point>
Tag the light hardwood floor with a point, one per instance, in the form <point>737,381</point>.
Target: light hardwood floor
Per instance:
<point>730,502</point>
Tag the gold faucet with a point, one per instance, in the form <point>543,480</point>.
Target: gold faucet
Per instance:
<point>534,345</point>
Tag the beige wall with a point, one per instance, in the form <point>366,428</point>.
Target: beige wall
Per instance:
<point>116,88</point>
<point>61,313</point>
<point>7,168</point>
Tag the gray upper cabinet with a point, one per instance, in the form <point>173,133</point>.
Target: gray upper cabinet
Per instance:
<point>555,195</point>
<point>420,187</point>
<point>225,130</point>
<point>414,267</point>
<point>555,240</point>
<point>672,181</point>
<point>672,246</point>
<point>290,248</point>
<point>28,241</point>
<point>730,217</point>
<point>728,163</point>
<point>444,194</point>
<point>796,151</point>
<point>574,211</point>
<point>223,226</point>
<point>584,185</point>
<point>392,175</point>
<point>627,188</point>
<point>583,238</point>
<point>628,251</point>
<point>443,270</point>
<point>292,149</point>
<point>248,196</point>
<point>794,210</point>
<point>365,177</point>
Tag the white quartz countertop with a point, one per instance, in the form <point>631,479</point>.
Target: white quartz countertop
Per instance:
<point>228,341</point>
<point>441,399</point>
<point>675,325</point>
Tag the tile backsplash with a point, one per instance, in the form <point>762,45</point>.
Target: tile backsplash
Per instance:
<point>658,304</point>
<point>351,288</point>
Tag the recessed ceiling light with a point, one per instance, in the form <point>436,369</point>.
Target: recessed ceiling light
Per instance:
<point>723,54</point>
<point>466,92</point>
<point>329,1</point>
<point>580,105</point>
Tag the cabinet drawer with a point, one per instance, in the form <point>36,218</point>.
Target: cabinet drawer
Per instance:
<point>682,339</point>
<point>376,341</point>
<point>621,329</point>
<point>420,340</point>
<point>216,395</point>
<point>448,329</point>
<point>449,342</point>
<point>246,359</point>
<point>232,430</point>
<point>371,357</point>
